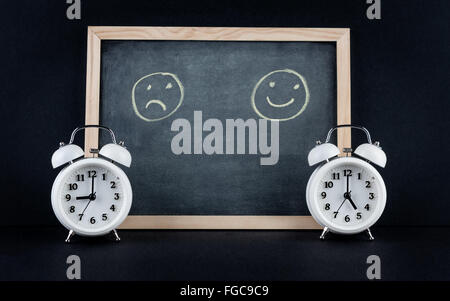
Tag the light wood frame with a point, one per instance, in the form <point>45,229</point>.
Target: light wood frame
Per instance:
<point>98,33</point>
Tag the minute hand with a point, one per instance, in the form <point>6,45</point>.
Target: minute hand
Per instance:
<point>92,186</point>
<point>348,184</point>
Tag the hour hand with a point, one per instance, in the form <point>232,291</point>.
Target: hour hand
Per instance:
<point>351,202</point>
<point>87,197</point>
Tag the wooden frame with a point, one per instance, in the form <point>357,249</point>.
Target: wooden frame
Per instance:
<point>98,33</point>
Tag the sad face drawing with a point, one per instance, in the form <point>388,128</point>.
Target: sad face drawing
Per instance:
<point>156,96</point>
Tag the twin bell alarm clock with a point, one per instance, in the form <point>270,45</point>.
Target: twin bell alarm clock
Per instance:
<point>91,196</point>
<point>346,195</point>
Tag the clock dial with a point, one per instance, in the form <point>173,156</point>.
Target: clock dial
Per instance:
<point>348,194</point>
<point>91,196</point>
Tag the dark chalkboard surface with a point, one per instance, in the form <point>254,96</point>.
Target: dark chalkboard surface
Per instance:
<point>216,79</point>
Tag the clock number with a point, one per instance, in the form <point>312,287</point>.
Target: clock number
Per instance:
<point>329,184</point>
<point>359,176</point>
<point>92,173</point>
<point>104,216</point>
<point>323,194</point>
<point>81,216</point>
<point>347,172</point>
<point>116,196</point>
<point>371,196</point>
<point>73,186</point>
<point>104,177</point>
<point>92,220</point>
<point>327,206</point>
<point>335,176</point>
<point>347,218</point>
<point>368,184</point>
<point>72,209</point>
<point>358,215</point>
<point>335,213</point>
<point>80,178</point>
<point>113,184</point>
<point>113,208</point>
<point>367,207</point>
<point>68,197</point>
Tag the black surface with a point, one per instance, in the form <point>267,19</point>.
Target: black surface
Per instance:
<point>405,254</point>
<point>217,79</point>
<point>399,87</point>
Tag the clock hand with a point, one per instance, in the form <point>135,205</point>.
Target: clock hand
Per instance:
<point>341,205</point>
<point>351,201</point>
<point>347,182</point>
<point>92,186</point>
<point>88,197</point>
<point>347,194</point>
<point>91,198</point>
<point>82,213</point>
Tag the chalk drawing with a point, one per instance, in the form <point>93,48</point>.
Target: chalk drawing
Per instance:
<point>272,85</point>
<point>141,109</point>
<point>280,105</point>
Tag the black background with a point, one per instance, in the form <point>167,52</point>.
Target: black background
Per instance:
<point>400,72</point>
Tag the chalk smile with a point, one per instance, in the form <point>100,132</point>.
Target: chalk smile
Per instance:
<point>280,105</point>
<point>156,101</point>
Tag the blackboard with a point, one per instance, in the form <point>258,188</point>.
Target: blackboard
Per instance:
<point>149,89</point>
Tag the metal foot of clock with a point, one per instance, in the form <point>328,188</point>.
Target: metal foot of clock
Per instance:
<point>370,235</point>
<point>69,236</point>
<point>116,236</point>
<point>324,232</point>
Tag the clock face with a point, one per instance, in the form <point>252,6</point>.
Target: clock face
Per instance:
<point>348,195</point>
<point>91,197</point>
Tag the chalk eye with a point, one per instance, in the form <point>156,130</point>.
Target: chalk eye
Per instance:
<point>272,84</point>
<point>149,87</point>
<point>296,86</point>
<point>169,85</point>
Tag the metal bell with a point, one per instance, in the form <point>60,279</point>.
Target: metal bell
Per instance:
<point>117,153</point>
<point>65,154</point>
<point>373,153</point>
<point>322,152</point>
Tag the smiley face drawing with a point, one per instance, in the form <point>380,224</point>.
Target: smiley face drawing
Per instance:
<point>280,95</point>
<point>156,96</point>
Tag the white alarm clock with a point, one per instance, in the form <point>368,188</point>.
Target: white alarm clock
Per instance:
<point>346,195</point>
<point>91,196</point>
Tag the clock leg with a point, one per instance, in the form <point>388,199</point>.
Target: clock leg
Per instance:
<point>71,233</point>
<point>324,232</point>
<point>370,234</point>
<point>116,236</point>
